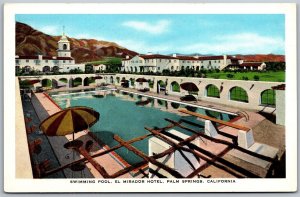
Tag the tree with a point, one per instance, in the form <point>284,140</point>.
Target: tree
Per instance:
<point>229,76</point>
<point>76,71</point>
<point>88,68</point>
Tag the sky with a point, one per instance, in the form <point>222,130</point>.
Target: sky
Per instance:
<point>167,33</point>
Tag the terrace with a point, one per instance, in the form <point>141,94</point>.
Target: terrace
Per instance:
<point>219,151</point>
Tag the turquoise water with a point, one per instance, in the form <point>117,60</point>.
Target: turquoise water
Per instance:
<point>125,115</point>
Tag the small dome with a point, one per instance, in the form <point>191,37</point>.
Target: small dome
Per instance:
<point>63,38</point>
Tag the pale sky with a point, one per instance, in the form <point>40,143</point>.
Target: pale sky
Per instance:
<point>166,34</point>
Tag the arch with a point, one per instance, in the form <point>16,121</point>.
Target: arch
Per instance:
<point>77,82</point>
<point>172,68</point>
<point>175,87</point>
<point>55,69</point>
<point>65,46</point>
<point>63,80</point>
<point>161,86</point>
<point>46,69</point>
<point>197,68</point>
<point>135,69</point>
<point>238,94</point>
<point>111,79</point>
<point>131,69</point>
<point>268,97</point>
<point>212,91</point>
<point>46,83</point>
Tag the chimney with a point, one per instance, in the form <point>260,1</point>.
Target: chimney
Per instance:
<point>174,55</point>
<point>40,57</point>
<point>127,56</point>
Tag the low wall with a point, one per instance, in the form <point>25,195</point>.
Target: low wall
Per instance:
<point>253,89</point>
<point>23,163</point>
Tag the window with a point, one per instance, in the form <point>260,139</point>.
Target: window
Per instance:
<point>140,61</point>
<point>158,68</point>
<point>174,60</point>
<point>183,61</point>
<point>172,67</point>
<point>197,68</point>
<point>268,97</point>
<point>27,60</point>
<point>219,61</point>
<point>212,91</point>
<point>170,61</point>
<point>17,61</point>
<point>65,46</point>
<point>238,94</point>
<point>64,61</point>
<point>188,61</point>
<point>159,60</point>
<point>70,61</point>
<point>46,61</point>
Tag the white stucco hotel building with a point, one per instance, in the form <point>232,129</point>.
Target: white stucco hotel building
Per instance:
<point>158,63</point>
<point>64,62</point>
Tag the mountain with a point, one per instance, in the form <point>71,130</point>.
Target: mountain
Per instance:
<point>262,58</point>
<point>32,42</point>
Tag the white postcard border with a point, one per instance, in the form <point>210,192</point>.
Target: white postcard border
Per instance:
<point>11,184</point>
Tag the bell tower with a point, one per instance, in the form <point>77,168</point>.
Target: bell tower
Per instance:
<point>63,46</point>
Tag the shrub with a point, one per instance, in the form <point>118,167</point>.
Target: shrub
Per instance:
<point>256,78</point>
<point>229,76</point>
<point>245,78</point>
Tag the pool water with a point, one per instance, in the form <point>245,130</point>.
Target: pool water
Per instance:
<point>126,114</point>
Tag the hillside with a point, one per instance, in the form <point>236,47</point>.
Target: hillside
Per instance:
<point>31,42</point>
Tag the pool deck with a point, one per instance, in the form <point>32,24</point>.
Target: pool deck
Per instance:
<point>45,107</point>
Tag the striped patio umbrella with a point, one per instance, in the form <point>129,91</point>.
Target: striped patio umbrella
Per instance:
<point>141,80</point>
<point>69,120</point>
<point>190,87</point>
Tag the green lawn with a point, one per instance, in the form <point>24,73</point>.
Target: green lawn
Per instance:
<point>276,76</point>
<point>106,60</point>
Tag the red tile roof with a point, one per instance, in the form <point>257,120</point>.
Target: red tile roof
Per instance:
<point>253,64</point>
<point>187,58</point>
<point>219,57</point>
<point>43,57</point>
<point>157,56</point>
<point>279,87</point>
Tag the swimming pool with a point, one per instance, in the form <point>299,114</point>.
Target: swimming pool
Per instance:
<point>126,114</point>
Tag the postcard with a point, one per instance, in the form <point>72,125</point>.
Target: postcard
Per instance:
<point>150,97</point>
